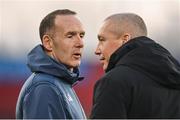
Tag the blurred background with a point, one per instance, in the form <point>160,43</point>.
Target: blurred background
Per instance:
<point>19,24</point>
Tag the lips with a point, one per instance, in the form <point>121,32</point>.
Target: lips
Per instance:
<point>102,58</point>
<point>77,55</point>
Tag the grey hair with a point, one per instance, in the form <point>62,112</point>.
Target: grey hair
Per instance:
<point>128,22</point>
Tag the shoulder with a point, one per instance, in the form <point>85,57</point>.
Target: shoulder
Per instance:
<point>120,77</point>
<point>44,78</point>
<point>115,84</point>
<point>43,101</point>
<point>42,82</point>
<point>44,89</point>
<point>121,74</point>
<point>43,94</point>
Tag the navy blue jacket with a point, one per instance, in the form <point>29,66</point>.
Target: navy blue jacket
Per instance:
<point>142,80</point>
<point>48,92</point>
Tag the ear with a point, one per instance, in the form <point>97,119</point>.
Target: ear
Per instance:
<point>47,43</point>
<point>126,37</point>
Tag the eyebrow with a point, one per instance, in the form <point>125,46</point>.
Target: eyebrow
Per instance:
<point>71,32</point>
<point>74,32</point>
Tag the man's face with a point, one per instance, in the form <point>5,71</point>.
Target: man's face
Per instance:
<point>108,43</point>
<point>67,42</point>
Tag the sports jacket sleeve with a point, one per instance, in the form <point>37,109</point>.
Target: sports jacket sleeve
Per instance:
<point>43,102</point>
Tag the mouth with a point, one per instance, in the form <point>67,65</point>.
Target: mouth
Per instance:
<point>77,55</point>
<point>102,59</point>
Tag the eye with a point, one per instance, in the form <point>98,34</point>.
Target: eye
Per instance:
<point>69,36</point>
<point>82,35</point>
<point>101,39</point>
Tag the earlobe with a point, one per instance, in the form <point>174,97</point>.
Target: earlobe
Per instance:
<point>46,41</point>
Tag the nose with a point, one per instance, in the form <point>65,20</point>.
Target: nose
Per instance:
<point>97,51</point>
<point>79,42</point>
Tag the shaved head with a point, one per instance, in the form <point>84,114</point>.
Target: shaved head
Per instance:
<point>126,23</point>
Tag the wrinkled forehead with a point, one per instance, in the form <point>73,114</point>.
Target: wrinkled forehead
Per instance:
<point>68,23</point>
<point>67,19</point>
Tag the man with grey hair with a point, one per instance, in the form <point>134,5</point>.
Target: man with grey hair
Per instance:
<point>142,79</point>
<point>48,93</point>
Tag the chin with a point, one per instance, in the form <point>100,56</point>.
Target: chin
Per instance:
<point>76,64</point>
<point>104,67</point>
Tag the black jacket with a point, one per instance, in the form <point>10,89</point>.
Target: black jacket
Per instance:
<point>48,93</point>
<point>142,81</point>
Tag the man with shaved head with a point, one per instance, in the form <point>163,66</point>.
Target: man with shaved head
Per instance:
<point>142,79</point>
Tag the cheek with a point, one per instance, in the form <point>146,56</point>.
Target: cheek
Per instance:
<point>64,47</point>
<point>110,49</point>
<point>62,51</point>
<point>115,46</point>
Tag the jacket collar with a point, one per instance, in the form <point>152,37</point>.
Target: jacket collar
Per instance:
<point>39,61</point>
<point>123,50</point>
<point>148,57</point>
